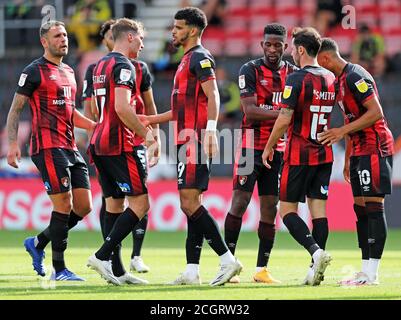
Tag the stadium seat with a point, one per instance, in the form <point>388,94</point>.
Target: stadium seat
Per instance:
<point>393,42</point>
<point>237,44</point>
<point>390,20</point>
<point>260,4</point>
<point>364,5</point>
<point>389,4</point>
<point>213,40</point>
<point>237,22</point>
<point>258,22</point>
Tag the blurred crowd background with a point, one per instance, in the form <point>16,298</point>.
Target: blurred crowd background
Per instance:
<point>233,37</point>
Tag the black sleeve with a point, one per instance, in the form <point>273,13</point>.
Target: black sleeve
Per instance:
<point>247,81</point>
<point>147,78</point>
<point>292,90</point>
<point>29,80</point>
<point>124,74</point>
<point>87,90</point>
<point>202,66</point>
<point>361,87</point>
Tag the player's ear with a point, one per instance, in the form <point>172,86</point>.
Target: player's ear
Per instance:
<point>285,46</point>
<point>262,44</point>
<point>43,41</point>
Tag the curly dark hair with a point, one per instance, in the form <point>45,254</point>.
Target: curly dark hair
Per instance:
<point>192,16</point>
<point>106,26</point>
<point>276,29</point>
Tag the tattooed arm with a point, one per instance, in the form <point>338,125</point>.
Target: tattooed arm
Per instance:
<point>14,152</point>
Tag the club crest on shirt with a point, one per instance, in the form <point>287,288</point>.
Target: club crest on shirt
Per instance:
<point>361,85</point>
<point>125,75</point>
<point>287,92</point>
<point>65,181</point>
<point>22,79</point>
<point>242,180</point>
<point>241,81</point>
<point>205,64</point>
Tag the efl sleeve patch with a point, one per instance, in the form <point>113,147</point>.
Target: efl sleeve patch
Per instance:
<point>287,92</point>
<point>241,81</point>
<point>125,75</point>
<point>205,63</point>
<point>22,79</point>
<point>362,86</point>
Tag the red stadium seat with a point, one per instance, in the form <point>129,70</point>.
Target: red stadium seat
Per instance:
<point>237,44</point>
<point>258,22</point>
<point>213,40</point>
<point>393,42</point>
<point>390,20</point>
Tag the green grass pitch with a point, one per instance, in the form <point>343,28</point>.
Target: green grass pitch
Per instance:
<point>164,253</point>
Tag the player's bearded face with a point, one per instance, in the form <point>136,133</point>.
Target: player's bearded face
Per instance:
<point>180,32</point>
<point>57,41</point>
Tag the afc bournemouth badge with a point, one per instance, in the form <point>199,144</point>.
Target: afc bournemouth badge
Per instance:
<point>242,180</point>
<point>65,181</point>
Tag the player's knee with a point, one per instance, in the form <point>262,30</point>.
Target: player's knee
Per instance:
<point>268,212</point>
<point>188,206</point>
<point>239,205</point>
<point>83,209</point>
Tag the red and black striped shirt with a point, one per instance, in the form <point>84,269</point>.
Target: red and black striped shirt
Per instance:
<point>310,92</point>
<point>51,90</point>
<point>354,87</point>
<point>111,136</point>
<point>143,82</point>
<point>87,89</point>
<point>188,101</point>
<point>256,78</point>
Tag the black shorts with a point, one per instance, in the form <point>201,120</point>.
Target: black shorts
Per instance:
<point>251,160</point>
<point>193,167</point>
<point>121,175</point>
<point>371,175</point>
<point>61,170</point>
<point>299,181</point>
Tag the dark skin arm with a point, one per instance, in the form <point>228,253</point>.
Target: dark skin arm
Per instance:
<point>253,112</point>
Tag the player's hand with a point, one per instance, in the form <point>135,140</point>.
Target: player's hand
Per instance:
<point>346,174</point>
<point>330,136</point>
<point>152,146</point>
<point>267,155</point>
<point>156,155</point>
<point>144,119</point>
<point>210,144</point>
<point>14,155</point>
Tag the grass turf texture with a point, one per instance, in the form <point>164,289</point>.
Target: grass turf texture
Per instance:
<point>164,253</point>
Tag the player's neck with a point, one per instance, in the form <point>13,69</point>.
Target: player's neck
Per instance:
<point>53,59</point>
<point>190,44</point>
<point>308,61</point>
<point>339,66</point>
<point>271,66</point>
<point>121,49</point>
